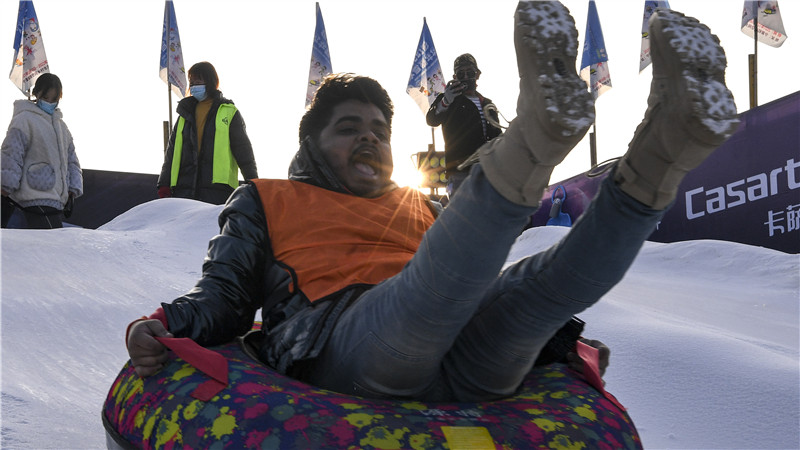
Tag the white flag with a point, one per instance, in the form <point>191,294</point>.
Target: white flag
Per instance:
<point>30,60</point>
<point>171,68</point>
<point>320,59</point>
<point>426,80</point>
<point>770,25</point>
<point>649,9</point>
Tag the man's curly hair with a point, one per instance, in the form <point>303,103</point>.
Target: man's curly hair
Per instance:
<point>337,88</point>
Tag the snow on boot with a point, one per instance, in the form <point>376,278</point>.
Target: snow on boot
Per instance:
<point>690,110</point>
<point>554,108</point>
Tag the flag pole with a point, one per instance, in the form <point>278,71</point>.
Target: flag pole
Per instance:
<point>754,60</point>
<point>169,100</point>
<point>593,147</point>
<point>169,88</point>
<point>168,127</point>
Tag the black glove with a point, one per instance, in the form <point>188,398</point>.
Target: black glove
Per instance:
<point>68,206</point>
<point>561,343</point>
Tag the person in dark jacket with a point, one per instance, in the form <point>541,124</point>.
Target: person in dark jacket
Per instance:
<point>208,146</point>
<point>364,291</point>
<point>463,114</point>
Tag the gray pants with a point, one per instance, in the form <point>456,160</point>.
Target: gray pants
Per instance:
<point>451,326</point>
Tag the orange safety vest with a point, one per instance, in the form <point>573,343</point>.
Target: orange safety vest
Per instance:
<point>333,240</point>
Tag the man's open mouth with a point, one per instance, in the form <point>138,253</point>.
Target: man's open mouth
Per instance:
<point>366,162</point>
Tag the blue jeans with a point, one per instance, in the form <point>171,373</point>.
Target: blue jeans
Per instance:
<point>451,326</point>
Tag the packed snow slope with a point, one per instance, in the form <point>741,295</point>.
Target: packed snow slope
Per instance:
<point>704,334</point>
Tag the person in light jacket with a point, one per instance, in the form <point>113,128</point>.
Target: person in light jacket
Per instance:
<point>41,173</point>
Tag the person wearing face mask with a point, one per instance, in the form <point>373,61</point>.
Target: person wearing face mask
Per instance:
<point>41,174</point>
<point>208,146</point>
<point>462,112</point>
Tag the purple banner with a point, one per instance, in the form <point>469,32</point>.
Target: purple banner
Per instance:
<point>747,191</point>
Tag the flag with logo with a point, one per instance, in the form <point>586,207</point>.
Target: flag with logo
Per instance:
<point>172,70</point>
<point>770,25</point>
<point>649,9</point>
<point>320,59</point>
<point>30,60</point>
<point>594,63</point>
<point>426,80</point>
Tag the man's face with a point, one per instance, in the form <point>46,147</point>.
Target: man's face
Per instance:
<point>468,75</point>
<point>466,72</point>
<point>355,144</point>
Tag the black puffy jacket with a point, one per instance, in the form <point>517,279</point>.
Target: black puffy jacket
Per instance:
<point>241,275</point>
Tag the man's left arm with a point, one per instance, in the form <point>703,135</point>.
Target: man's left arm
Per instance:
<point>223,303</point>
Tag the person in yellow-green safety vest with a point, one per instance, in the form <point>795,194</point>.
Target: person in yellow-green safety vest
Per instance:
<point>208,146</point>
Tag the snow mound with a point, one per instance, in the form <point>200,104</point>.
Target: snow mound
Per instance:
<point>703,334</point>
<point>174,214</point>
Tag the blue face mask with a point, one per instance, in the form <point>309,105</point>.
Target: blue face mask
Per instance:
<point>198,92</point>
<point>47,107</point>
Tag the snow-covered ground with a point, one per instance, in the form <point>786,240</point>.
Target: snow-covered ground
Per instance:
<point>704,334</point>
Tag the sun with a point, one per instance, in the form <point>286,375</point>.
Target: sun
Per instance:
<point>405,171</point>
<point>406,174</point>
<point>411,136</point>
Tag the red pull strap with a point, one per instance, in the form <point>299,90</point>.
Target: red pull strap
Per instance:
<point>207,361</point>
<point>591,370</point>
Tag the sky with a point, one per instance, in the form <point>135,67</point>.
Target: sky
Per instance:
<point>703,334</point>
<point>107,53</point>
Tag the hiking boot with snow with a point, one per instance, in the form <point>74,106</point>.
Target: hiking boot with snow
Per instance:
<point>690,111</point>
<point>554,108</point>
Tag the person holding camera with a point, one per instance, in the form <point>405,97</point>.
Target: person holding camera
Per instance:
<point>462,112</point>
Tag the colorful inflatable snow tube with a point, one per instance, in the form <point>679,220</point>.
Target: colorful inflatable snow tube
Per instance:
<point>260,408</point>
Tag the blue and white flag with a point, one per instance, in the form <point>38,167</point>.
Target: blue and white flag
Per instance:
<point>770,25</point>
<point>594,64</point>
<point>30,60</point>
<point>320,59</point>
<point>649,9</point>
<point>172,70</point>
<point>426,80</point>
